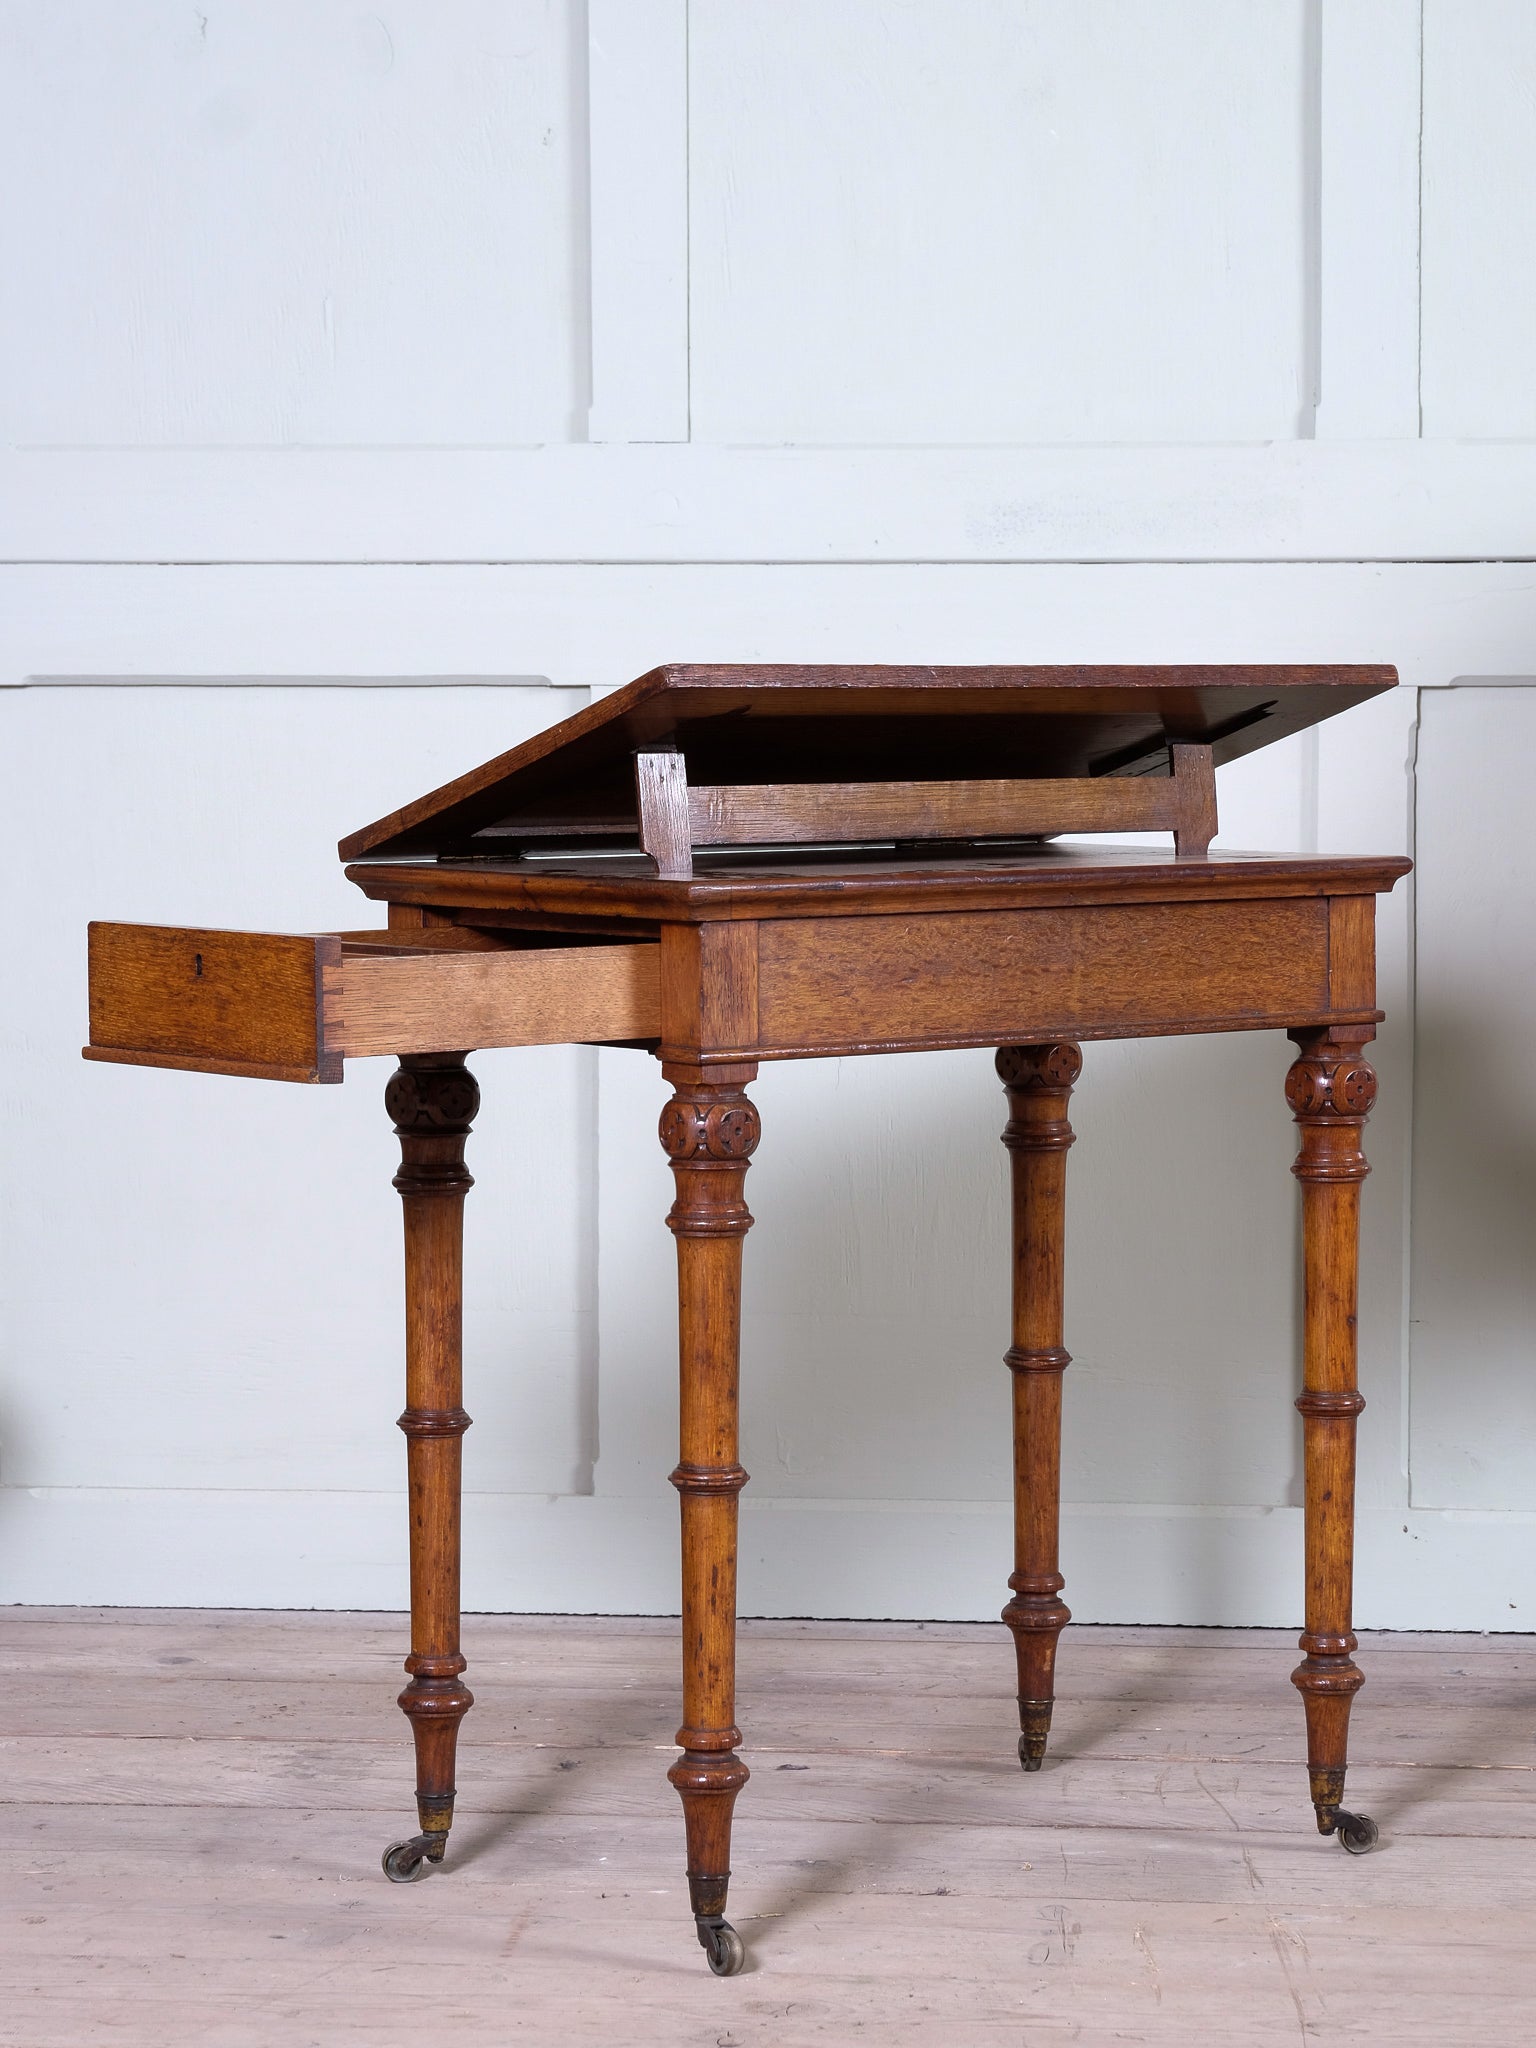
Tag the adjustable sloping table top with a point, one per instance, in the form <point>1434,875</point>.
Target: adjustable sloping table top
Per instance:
<point>573,788</point>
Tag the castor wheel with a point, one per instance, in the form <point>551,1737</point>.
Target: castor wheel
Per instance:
<point>407,1862</point>
<point>1035,1721</point>
<point>721,1944</point>
<point>1357,1833</point>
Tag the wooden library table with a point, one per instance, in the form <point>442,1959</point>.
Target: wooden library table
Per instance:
<point>720,866</point>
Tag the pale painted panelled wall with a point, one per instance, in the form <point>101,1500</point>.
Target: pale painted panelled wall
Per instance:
<point>388,382</point>
<point>920,225</point>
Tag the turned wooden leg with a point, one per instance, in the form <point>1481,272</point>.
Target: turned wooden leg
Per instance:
<point>708,1130</point>
<point>1330,1088</point>
<point>432,1099</point>
<point>1039,1081</point>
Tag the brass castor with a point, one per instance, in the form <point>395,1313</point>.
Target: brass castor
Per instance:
<point>1035,1720</point>
<point>1357,1832</point>
<point>406,1862</point>
<point>721,1944</point>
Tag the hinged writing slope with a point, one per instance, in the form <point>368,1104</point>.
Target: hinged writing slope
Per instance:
<point>778,755</point>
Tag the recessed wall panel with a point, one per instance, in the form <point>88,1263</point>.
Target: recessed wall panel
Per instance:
<point>1473,1349</point>
<point>1010,220</point>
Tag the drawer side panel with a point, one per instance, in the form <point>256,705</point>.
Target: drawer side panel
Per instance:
<point>439,1002</point>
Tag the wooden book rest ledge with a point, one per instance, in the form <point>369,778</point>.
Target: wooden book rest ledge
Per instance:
<point>674,819</point>
<point>879,873</point>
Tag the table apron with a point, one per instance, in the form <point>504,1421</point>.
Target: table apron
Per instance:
<point>890,983</point>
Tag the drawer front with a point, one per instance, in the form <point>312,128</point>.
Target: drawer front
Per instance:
<point>1122,970</point>
<point>287,1007</point>
<point>213,1002</point>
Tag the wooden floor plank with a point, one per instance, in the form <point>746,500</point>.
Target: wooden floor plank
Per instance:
<point>596,1631</point>
<point>187,1862</point>
<point>1484,1727</point>
<point>934,1972</point>
<point>806,1784</point>
<point>231,1854</point>
<point>955,1657</point>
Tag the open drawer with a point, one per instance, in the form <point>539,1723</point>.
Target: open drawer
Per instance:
<point>283,1007</point>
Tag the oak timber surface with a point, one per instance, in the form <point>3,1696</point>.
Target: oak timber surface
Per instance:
<point>894,980</point>
<point>161,996</point>
<point>289,1007</point>
<point>757,723</point>
<point>901,1880</point>
<point>842,884</point>
<point>539,997</point>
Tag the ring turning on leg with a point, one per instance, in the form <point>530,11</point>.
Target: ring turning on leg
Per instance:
<point>1330,1089</point>
<point>432,1100</point>
<point>1039,1081</point>
<point>709,1131</point>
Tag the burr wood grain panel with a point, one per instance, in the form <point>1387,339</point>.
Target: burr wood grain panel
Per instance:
<point>1108,971</point>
